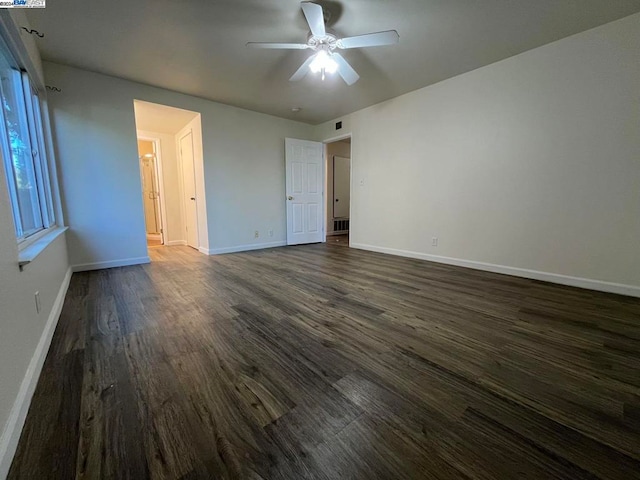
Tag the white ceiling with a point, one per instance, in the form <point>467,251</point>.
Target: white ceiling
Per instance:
<point>152,117</point>
<point>198,46</point>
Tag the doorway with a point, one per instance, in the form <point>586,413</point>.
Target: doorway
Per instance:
<point>148,152</point>
<point>338,188</point>
<point>170,139</point>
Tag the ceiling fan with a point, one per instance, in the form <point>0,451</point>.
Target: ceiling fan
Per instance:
<point>327,59</point>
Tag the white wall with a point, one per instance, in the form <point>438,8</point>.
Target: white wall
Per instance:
<point>531,163</point>
<point>95,133</point>
<point>21,327</point>
<point>160,118</point>
<point>25,334</point>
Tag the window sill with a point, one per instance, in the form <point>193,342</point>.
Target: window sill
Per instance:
<point>31,251</point>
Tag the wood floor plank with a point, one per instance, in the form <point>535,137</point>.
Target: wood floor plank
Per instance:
<point>50,444</point>
<point>110,444</point>
<point>322,362</point>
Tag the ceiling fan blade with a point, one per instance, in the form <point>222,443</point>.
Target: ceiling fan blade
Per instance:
<point>348,74</point>
<point>388,37</point>
<point>287,46</point>
<point>303,70</point>
<point>315,18</point>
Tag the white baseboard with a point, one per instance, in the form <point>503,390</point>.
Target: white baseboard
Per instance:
<point>246,248</point>
<point>173,243</point>
<point>609,287</point>
<point>17,416</point>
<point>154,236</point>
<point>83,267</point>
<point>206,251</point>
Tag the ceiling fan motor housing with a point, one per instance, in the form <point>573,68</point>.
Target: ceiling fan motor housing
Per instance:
<point>328,43</point>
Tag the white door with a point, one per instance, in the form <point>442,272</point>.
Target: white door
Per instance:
<point>341,186</point>
<point>304,172</point>
<point>189,184</point>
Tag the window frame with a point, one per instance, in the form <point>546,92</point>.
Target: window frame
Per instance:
<point>40,159</point>
<point>31,111</point>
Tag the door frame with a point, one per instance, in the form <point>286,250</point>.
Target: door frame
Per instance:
<point>157,147</point>
<point>343,136</point>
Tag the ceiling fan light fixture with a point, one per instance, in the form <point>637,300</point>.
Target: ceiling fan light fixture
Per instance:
<point>327,59</point>
<point>323,63</point>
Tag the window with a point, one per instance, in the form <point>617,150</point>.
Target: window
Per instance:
<point>23,150</point>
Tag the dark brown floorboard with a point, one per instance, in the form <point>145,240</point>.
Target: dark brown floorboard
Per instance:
<point>322,362</point>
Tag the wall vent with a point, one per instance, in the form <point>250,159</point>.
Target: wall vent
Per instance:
<point>341,225</point>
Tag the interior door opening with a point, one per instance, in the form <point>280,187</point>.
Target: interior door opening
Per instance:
<point>338,190</point>
<point>172,176</point>
<point>148,151</point>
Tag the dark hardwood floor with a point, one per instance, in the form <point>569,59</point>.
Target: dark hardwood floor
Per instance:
<point>326,362</point>
<point>338,240</point>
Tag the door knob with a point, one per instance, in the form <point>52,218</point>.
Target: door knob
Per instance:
<point>193,198</point>
<point>290,197</point>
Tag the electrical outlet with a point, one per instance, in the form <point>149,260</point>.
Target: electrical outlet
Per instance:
<point>434,241</point>
<point>256,234</point>
<point>38,306</point>
<point>271,233</point>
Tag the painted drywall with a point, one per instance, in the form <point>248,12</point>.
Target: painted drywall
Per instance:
<point>341,148</point>
<point>530,163</point>
<point>160,118</point>
<point>25,333</point>
<point>95,134</point>
<point>21,327</point>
